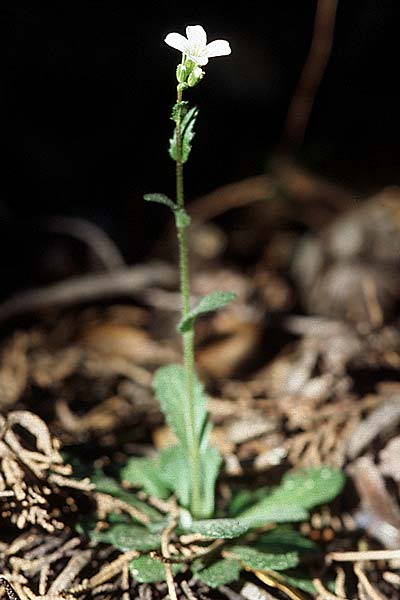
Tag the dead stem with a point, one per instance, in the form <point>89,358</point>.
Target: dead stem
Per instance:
<point>107,504</point>
<point>363,555</point>
<point>366,584</point>
<point>125,582</point>
<point>202,552</point>
<point>340,582</point>
<point>311,76</point>
<point>323,593</point>
<point>68,574</point>
<point>43,578</point>
<point>166,552</point>
<point>91,234</point>
<point>106,573</point>
<point>34,566</point>
<point>187,591</point>
<point>129,281</point>
<point>11,593</point>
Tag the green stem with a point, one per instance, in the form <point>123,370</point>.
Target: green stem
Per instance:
<point>188,336</point>
<point>180,197</point>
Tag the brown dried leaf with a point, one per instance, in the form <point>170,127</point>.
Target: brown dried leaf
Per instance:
<point>13,370</point>
<point>350,269</point>
<point>127,342</point>
<point>221,358</point>
<point>390,459</point>
<point>380,513</point>
<point>381,420</point>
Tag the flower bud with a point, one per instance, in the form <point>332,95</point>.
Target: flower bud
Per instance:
<point>195,76</point>
<point>190,65</point>
<point>181,73</point>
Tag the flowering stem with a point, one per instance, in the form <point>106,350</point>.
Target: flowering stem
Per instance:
<point>188,336</point>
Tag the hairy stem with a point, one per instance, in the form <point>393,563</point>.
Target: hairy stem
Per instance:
<point>188,336</point>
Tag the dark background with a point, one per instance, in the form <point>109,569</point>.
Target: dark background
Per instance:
<point>86,91</point>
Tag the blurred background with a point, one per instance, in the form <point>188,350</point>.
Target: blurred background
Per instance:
<point>87,88</point>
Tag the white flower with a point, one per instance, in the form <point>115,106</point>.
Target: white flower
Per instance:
<point>195,46</point>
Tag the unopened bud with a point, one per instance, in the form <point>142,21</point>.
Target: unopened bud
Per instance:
<point>189,64</point>
<point>195,76</point>
<point>181,73</point>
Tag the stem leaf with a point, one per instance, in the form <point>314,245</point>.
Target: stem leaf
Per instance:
<point>160,199</point>
<point>207,304</point>
<point>179,110</point>
<point>187,133</point>
<point>182,218</point>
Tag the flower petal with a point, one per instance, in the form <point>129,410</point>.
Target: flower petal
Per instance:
<point>177,41</point>
<point>199,60</point>
<point>196,35</point>
<point>218,48</point>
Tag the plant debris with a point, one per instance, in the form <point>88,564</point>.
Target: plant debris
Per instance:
<point>35,484</point>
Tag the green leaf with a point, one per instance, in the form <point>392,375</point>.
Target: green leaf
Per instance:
<point>145,473</point>
<point>118,519</point>
<point>187,125</point>
<point>298,578</point>
<point>263,561</point>
<point>80,469</point>
<point>123,534</point>
<point>207,304</point>
<point>310,486</point>
<point>219,528</point>
<point>149,570</point>
<point>187,134</point>
<point>85,526</point>
<point>160,199</point>
<point>128,537</point>
<point>261,514</point>
<point>175,473</point>
<point>171,389</point>
<point>298,491</point>
<point>284,538</point>
<point>179,110</point>
<point>210,464</point>
<point>244,499</point>
<point>108,485</point>
<point>182,218</point>
<point>220,573</point>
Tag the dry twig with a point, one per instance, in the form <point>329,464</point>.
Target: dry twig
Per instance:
<point>128,281</point>
<point>311,75</point>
